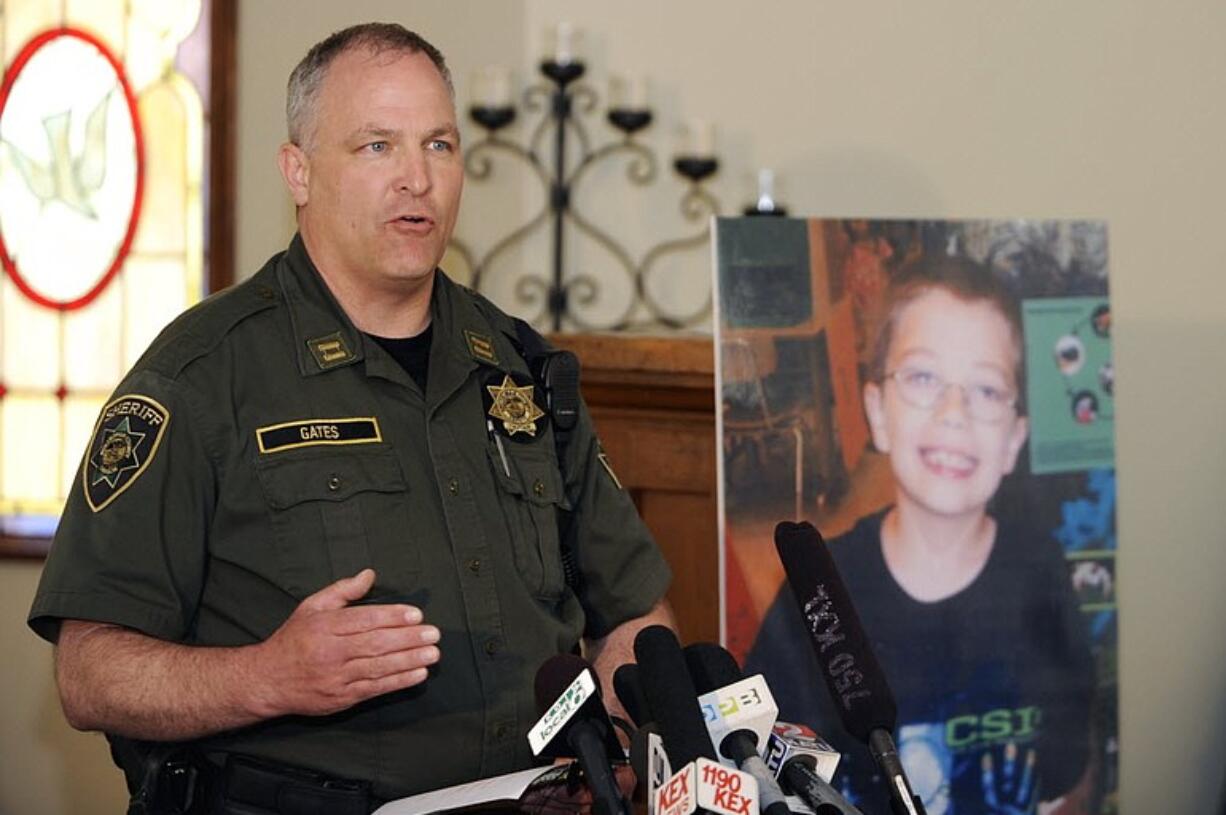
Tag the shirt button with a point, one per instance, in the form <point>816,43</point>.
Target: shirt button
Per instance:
<point>492,647</point>
<point>453,486</point>
<point>334,483</point>
<point>501,731</point>
<point>474,565</point>
<point>538,488</point>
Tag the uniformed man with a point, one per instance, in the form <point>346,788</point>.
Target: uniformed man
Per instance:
<point>316,532</point>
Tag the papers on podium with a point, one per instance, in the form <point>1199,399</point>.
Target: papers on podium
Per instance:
<point>497,793</point>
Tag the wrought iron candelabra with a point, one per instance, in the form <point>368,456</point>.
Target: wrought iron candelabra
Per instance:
<point>562,100</point>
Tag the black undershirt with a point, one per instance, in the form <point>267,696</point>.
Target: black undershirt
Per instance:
<point>413,353</point>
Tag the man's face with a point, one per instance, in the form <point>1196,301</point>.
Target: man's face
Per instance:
<point>944,461</point>
<point>381,173</point>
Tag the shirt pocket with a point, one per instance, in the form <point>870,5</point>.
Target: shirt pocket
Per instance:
<point>532,497</point>
<point>331,512</point>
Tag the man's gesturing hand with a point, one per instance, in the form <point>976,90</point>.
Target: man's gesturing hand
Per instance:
<point>330,655</point>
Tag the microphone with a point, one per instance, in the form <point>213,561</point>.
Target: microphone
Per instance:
<point>628,686</point>
<point>670,696</point>
<point>800,760</point>
<point>647,756</point>
<point>575,724</point>
<point>851,671</point>
<point>731,705</point>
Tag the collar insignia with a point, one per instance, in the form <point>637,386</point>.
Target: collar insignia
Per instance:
<point>329,351</point>
<point>514,406</point>
<point>124,442</point>
<point>481,347</point>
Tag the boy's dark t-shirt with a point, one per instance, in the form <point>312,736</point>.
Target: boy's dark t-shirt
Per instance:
<point>993,683</point>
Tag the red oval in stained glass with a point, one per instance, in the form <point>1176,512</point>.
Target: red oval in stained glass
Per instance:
<point>72,147</point>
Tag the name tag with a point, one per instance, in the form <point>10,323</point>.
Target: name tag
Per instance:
<point>312,432</point>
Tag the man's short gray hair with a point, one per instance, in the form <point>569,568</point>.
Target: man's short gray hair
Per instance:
<point>306,79</point>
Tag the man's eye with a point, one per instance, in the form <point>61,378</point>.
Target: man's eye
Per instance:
<point>377,147</point>
<point>440,146</point>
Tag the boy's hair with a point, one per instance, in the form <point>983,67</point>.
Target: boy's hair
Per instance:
<point>959,276</point>
<point>308,76</point>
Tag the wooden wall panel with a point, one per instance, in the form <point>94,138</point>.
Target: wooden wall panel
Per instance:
<point>653,402</point>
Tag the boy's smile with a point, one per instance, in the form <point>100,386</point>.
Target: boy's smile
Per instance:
<point>948,353</point>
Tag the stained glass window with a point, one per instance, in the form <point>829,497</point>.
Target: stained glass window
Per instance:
<point>102,157</point>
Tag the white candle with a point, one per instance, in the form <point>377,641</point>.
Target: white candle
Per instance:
<point>766,190</point>
<point>492,87</point>
<point>700,139</point>
<point>562,43</point>
<point>628,94</point>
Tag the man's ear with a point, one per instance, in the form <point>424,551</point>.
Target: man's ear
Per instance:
<point>876,416</point>
<point>296,170</point>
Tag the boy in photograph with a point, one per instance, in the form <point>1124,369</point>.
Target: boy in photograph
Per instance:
<point>971,615</point>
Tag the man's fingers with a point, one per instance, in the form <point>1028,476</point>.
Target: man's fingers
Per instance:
<point>399,662</point>
<point>341,593</point>
<point>358,619</point>
<point>370,688</point>
<point>390,640</point>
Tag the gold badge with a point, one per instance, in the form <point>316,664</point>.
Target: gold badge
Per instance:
<point>514,406</point>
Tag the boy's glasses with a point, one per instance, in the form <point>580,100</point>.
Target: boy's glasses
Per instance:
<point>925,389</point>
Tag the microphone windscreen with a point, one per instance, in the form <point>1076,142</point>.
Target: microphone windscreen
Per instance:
<point>629,689</point>
<point>554,676</point>
<point>671,697</point>
<point>711,666</point>
<point>851,671</point>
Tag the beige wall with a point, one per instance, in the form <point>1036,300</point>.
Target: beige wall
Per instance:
<point>954,108</point>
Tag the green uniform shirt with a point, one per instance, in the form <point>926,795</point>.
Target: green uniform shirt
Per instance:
<point>263,448</point>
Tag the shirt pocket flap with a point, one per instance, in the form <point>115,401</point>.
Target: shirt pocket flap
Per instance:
<point>540,481</point>
<point>329,478</point>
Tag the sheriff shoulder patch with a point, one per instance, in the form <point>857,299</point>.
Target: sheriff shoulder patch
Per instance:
<point>124,442</point>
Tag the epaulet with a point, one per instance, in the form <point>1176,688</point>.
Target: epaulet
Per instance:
<point>527,340</point>
<point>201,328</point>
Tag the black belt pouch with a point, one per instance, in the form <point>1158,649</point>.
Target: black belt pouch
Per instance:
<point>251,786</point>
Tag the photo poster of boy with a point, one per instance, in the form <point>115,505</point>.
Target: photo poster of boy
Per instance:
<point>936,397</point>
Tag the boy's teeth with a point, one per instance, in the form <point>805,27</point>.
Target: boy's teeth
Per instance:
<point>946,458</point>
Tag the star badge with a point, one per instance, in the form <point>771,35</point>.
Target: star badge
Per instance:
<point>514,406</point>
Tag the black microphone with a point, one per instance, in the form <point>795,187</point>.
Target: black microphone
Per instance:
<point>574,723</point>
<point>851,671</point>
<point>671,697</point>
<point>648,772</point>
<point>629,689</point>
<point>712,667</point>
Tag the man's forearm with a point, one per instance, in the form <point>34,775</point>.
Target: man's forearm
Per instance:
<point>130,684</point>
<point>327,656</point>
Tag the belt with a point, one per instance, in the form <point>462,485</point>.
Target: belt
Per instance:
<point>251,786</point>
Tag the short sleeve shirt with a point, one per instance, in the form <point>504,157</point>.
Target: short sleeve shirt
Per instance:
<point>263,448</point>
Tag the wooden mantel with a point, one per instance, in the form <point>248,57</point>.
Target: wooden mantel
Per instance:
<point>653,402</point>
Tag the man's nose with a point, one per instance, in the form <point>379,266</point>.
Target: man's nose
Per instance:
<point>414,175</point>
